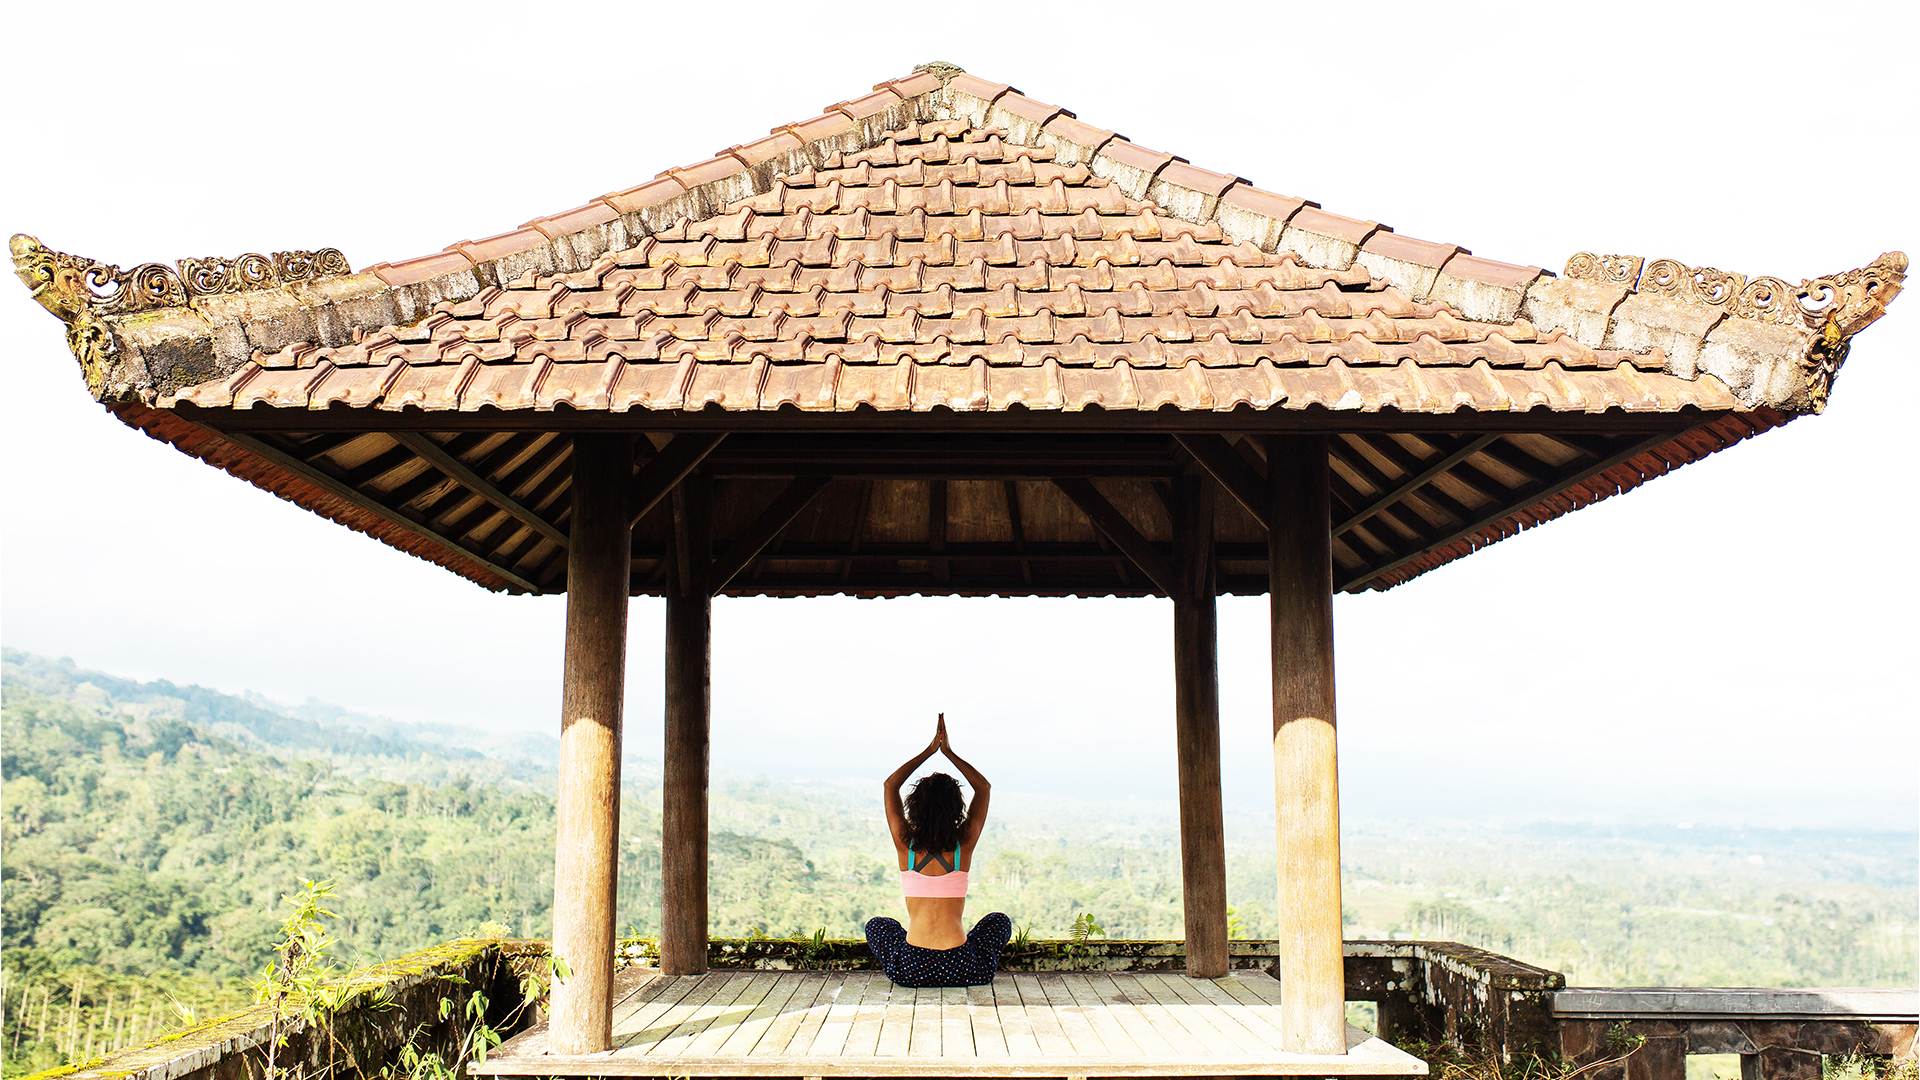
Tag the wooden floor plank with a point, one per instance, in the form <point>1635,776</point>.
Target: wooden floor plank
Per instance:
<point>832,1040</point>
<point>852,1025</point>
<point>1120,1039</point>
<point>1120,1009</point>
<point>748,1033</point>
<point>1184,1044</point>
<point>665,1014</point>
<point>635,983</point>
<point>722,1025</point>
<point>926,1023</point>
<point>638,1010</point>
<point>1193,1008</point>
<point>1072,1018</point>
<point>1041,1019</point>
<point>863,1039</point>
<point>780,1033</point>
<point>1015,1026</point>
<point>1243,1005</point>
<point>956,1026</point>
<point>1249,992</point>
<point>896,1023</point>
<point>695,1023</point>
<point>828,988</point>
<point>983,1016</point>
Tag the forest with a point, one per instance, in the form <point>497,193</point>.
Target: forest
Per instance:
<point>151,833</point>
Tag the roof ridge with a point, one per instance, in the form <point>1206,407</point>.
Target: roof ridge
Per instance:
<point>1665,305</point>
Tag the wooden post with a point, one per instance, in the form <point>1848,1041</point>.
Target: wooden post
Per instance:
<point>683,825</point>
<point>1196,710</point>
<point>1306,779</point>
<point>587,856</point>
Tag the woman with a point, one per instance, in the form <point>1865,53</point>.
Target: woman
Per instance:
<point>934,833</point>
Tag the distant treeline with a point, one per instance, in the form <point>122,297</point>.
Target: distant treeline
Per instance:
<point>146,857</point>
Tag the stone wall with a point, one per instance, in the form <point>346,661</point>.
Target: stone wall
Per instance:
<point>1435,992</point>
<point>385,1006</point>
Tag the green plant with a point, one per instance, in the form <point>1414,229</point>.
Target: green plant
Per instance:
<point>1236,926</point>
<point>1084,927</point>
<point>815,947</point>
<point>477,1038</point>
<point>1022,937</point>
<point>299,983</point>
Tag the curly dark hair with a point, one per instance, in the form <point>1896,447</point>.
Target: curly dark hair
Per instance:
<point>936,815</point>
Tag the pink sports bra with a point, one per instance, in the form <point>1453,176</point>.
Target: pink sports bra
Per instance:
<point>951,883</point>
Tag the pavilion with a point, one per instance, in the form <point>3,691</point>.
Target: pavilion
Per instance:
<point>945,339</point>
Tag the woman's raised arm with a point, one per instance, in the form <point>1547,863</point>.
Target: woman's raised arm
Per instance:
<point>890,789</point>
<point>982,790</point>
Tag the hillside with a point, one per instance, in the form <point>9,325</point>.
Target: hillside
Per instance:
<point>150,831</point>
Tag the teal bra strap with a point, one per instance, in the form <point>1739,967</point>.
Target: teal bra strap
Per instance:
<point>909,858</point>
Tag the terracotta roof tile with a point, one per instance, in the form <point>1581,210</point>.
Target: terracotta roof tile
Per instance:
<point>1024,107</point>
<point>648,194</point>
<point>714,168</point>
<point>978,277</point>
<point>1073,141</point>
<point>766,149</point>
<point>943,262</point>
<point>501,246</point>
<point>1129,166</point>
<point>972,84</point>
<point>598,212</point>
<point>870,105</point>
<point>820,127</point>
<point>423,268</point>
<point>921,82</point>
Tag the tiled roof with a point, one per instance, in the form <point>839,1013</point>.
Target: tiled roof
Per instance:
<point>959,245</point>
<point>947,245</point>
<point>950,267</point>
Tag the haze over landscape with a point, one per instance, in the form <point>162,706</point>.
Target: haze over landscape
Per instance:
<point>1669,739</point>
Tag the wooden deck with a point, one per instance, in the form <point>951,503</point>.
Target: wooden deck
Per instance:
<point>822,1024</point>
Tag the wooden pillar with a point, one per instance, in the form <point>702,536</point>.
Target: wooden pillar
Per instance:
<point>683,826</point>
<point>1196,710</point>
<point>599,549</point>
<point>1306,779</point>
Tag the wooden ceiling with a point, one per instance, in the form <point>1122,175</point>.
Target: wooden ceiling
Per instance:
<point>956,513</point>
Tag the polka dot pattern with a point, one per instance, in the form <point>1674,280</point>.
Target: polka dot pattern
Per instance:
<point>972,964</point>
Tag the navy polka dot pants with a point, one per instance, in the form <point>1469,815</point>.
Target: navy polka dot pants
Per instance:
<point>972,964</point>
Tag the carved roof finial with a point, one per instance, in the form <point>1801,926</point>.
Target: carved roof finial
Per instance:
<point>940,69</point>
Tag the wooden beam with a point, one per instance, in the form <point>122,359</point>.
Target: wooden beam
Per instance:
<point>1240,479</point>
<point>974,551</point>
<point>437,456</point>
<point>1624,450</point>
<point>362,501</point>
<point>689,712</point>
<point>1196,714</point>
<point>1019,528</point>
<point>1011,422</point>
<point>859,525</point>
<point>1461,451</point>
<point>772,521</point>
<point>1306,776</point>
<point>670,466</point>
<point>937,526</point>
<point>587,808</point>
<point>1115,527</point>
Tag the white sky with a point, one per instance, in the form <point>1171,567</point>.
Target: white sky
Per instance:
<point>1733,642</point>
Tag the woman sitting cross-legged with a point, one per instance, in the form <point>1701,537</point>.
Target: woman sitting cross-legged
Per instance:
<point>934,833</point>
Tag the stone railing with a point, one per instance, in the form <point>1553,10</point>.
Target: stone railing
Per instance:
<point>385,1007</point>
<point>1779,1034</point>
<point>1435,992</point>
